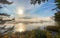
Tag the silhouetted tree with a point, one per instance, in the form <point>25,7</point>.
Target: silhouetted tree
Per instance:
<point>37,1</point>
<point>6,30</point>
<point>2,21</point>
<point>57,18</point>
<point>5,2</point>
<point>58,3</point>
<point>57,15</point>
<point>4,14</point>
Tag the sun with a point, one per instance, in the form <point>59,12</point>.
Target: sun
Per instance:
<point>20,11</point>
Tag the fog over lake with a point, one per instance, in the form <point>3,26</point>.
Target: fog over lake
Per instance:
<point>30,26</point>
<point>26,25</point>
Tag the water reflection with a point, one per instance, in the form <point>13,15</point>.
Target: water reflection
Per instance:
<point>21,27</point>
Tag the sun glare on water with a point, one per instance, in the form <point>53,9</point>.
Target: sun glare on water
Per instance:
<point>20,27</point>
<point>21,30</point>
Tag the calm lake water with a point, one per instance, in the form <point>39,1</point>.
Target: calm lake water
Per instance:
<point>27,27</point>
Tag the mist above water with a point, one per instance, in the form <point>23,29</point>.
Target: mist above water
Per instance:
<point>28,27</point>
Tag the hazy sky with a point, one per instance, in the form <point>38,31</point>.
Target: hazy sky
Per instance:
<point>44,9</point>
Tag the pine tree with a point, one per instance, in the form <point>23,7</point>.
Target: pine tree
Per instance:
<point>57,15</point>
<point>3,21</point>
<point>5,2</point>
<point>37,1</point>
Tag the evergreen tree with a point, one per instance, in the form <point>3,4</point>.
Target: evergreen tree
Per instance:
<point>5,2</point>
<point>37,1</point>
<point>3,21</point>
<point>57,15</point>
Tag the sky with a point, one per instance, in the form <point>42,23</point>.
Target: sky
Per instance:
<point>44,9</point>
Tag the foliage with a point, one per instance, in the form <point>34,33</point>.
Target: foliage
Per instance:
<point>32,34</point>
<point>53,28</point>
<point>57,17</point>
<point>5,2</point>
<point>6,30</point>
<point>4,14</point>
<point>37,33</point>
<point>58,3</point>
<point>37,1</point>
